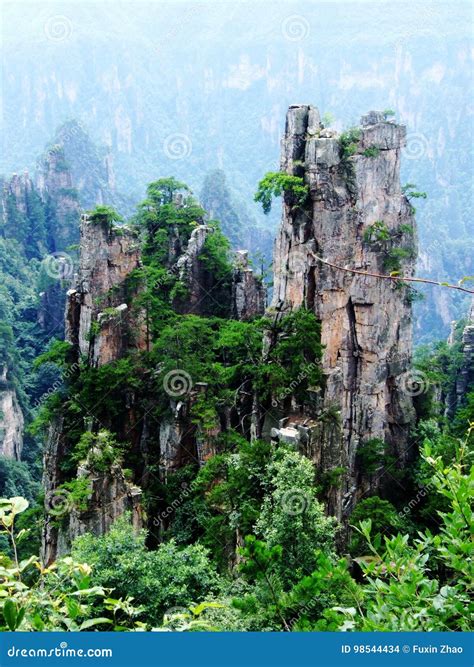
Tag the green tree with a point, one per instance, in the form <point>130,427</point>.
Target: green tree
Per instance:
<point>292,517</point>
<point>276,184</point>
<point>159,580</point>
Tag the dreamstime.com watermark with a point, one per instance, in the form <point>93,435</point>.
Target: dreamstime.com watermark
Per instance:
<point>422,493</point>
<point>69,372</point>
<point>188,489</point>
<point>302,375</point>
<point>61,651</point>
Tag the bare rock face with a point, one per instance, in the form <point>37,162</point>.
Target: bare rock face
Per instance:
<point>109,495</point>
<point>365,321</point>
<point>99,317</point>
<point>11,419</point>
<point>193,274</point>
<point>465,378</point>
<point>248,293</point>
<point>54,182</point>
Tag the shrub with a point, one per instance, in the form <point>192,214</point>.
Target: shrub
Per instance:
<point>157,580</point>
<point>276,184</point>
<point>104,215</point>
<point>372,151</point>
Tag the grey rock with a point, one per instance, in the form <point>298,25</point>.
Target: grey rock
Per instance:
<point>365,322</point>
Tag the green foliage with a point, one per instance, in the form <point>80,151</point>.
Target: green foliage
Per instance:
<point>276,184</point>
<point>56,353</point>
<point>292,518</point>
<point>157,580</point>
<point>59,597</point>
<point>99,449</point>
<point>215,255</point>
<point>384,517</point>
<point>226,499</point>
<point>78,491</point>
<point>162,191</point>
<point>377,232</point>
<point>370,455</point>
<point>401,592</point>
<point>384,239</point>
<point>388,112</point>
<point>104,215</point>
<point>349,142</point>
<point>327,119</point>
<point>292,359</point>
<point>372,151</point>
<point>161,217</point>
<point>409,190</point>
<point>16,480</point>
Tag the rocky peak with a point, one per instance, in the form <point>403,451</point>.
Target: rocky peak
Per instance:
<point>100,320</point>
<point>465,376</point>
<point>248,292</point>
<point>356,218</point>
<point>11,419</point>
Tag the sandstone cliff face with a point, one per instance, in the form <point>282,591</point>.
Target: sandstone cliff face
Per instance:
<point>110,495</point>
<point>103,324</point>
<point>248,293</point>
<point>365,321</point>
<point>54,182</point>
<point>100,320</point>
<point>465,378</point>
<point>11,419</point>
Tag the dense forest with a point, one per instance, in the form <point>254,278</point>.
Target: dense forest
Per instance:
<point>174,495</point>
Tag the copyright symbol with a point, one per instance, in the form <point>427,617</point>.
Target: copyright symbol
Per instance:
<point>406,648</point>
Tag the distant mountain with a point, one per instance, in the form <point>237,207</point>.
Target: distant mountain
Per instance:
<point>185,88</point>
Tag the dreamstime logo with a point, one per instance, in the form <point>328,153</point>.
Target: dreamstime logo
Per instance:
<point>294,502</point>
<point>60,503</point>
<point>59,266</point>
<point>295,28</point>
<point>58,28</point>
<point>177,383</point>
<point>416,146</point>
<point>175,616</point>
<point>414,383</point>
<point>177,146</point>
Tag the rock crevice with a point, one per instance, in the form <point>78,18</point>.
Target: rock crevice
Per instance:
<point>365,321</point>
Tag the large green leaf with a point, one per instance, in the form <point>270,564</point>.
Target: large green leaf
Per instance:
<point>9,612</point>
<point>93,621</point>
<point>19,504</point>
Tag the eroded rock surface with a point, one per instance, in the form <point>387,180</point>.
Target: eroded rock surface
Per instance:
<point>11,419</point>
<point>366,321</point>
<point>100,320</point>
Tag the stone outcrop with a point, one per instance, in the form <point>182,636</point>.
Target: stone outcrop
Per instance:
<point>109,495</point>
<point>464,382</point>
<point>55,184</point>
<point>365,321</point>
<point>101,321</point>
<point>248,292</point>
<point>192,274</point>
<point>103,325</point>
<point>11,419</point>
<point>242,298</point>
